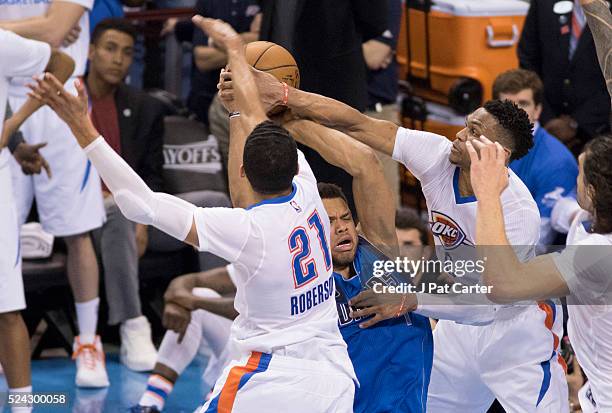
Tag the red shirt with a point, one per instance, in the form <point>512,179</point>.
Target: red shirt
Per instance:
<point>105,119</point>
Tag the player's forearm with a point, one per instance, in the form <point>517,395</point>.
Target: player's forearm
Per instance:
<point>334,146</point>
<point>502,267</point>
<point>376,134</point>
<point>61,66</point>
<point>52,27</point>
<point>246,94</point>
<point>599,20</point>
<point>237,185</point>
<point>223,306</point>
<point>217,279</point>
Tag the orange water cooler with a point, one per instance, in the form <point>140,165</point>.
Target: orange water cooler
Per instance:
<point>450,51</point>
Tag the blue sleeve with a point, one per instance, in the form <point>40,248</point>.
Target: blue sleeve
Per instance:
<point>554,182</point>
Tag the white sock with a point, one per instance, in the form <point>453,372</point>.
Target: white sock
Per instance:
<point>135,323</point>
<point>87,318</point>
<point>21,409</point>
<point>158,389</point>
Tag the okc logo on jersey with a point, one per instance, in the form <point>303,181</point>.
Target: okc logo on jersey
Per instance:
<point>447,230</point>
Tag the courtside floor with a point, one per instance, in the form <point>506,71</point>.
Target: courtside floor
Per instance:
<point>57,375</point>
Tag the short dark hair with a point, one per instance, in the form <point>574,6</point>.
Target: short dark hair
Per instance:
<point>515,123</point>
<point>406,218</point>
<point>120,25</point>
<point>515,80</point>
<point>330,191</point>
<point>270,158</point>
<point>598,174</point>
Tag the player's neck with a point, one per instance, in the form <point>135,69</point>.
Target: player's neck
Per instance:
<point>263,197</point>
<point>465,185</point>
<point>345,271</point>
<point>98,87</point>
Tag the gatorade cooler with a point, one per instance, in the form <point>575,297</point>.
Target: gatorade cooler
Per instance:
<point>454,49</point>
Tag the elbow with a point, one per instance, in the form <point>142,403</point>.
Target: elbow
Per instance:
<point>365,161</point>
<point>497,292</point>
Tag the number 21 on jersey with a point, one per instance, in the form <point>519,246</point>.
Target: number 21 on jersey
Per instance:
<point>303,264</point>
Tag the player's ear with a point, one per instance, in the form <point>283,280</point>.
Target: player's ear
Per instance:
<point>90,51</point>
<point>242,172</point>
<point>508,153</point>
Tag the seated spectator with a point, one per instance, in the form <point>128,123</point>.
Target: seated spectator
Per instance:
<point>413,236</point>
<point>132,123</point>
<point>549,170</point>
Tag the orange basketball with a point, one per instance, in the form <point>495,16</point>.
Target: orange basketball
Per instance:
<point>274,59</point>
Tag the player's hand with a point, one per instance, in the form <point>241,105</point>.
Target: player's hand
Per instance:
<point>142,239</point>
<point>382,306</point>
<point>71,109</point>
<point>72,36</point>
<point>177,319</point>
<point>180,292</point>
<point>31,160</point>
<point>488,171</point>
<point>271,90</point>
<point>226,91</point>
<point>221,33</point>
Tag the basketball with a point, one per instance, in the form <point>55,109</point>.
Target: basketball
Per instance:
<point>274,59</point>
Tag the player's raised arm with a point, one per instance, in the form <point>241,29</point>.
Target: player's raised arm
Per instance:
<point>511,280</point>
<point>246,110</point>
<point>61,66</point>
<point>134,198</point>
<point>377,134</point>
<point>377,218</point>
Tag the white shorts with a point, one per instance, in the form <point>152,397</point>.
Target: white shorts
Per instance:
<point>12,297</point>
<point>69,203</point>
<point>264,383</point>
<point>515,359</point>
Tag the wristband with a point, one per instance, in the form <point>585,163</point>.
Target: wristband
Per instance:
<point>14,141</point>
<point>234,114</point>
<point>285,94</point>
<point>399,313</point>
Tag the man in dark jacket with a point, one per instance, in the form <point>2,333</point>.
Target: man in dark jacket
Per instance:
<point>558,45</point>
<point>325,37</point>
<point>132,123</point>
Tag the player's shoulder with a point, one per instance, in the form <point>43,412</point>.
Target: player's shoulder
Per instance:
<point>517,196</point>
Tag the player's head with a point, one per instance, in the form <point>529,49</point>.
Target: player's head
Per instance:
<point>522,87</point>
<point>111,50</point>
<point>270,159</point>
<point>500,121</point>
<point>343,230</point>
<point>595,182</point>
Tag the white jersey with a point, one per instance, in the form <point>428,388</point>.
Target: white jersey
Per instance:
<point>586,266</point>
<point>27,58</point>
<point>282,270</point>
<point>453,217</point>
<point>25,9</point>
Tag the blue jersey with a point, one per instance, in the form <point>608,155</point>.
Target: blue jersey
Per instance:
<point>392,359</point>
<point>549,170</point>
